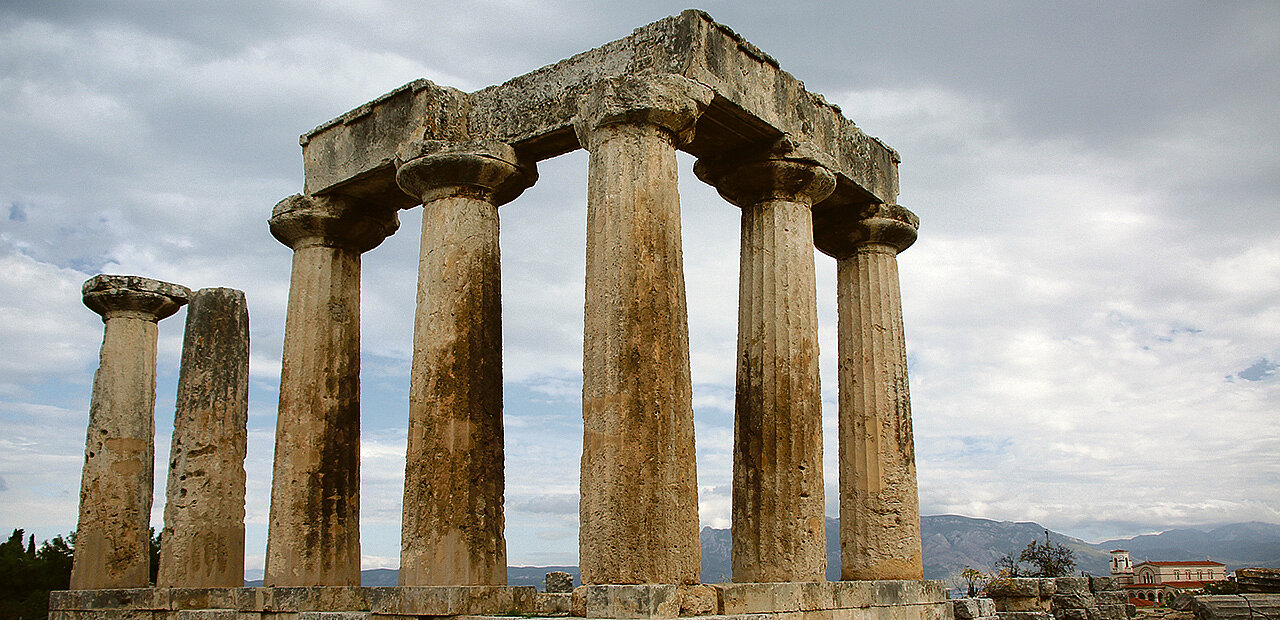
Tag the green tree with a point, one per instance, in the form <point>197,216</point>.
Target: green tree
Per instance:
<point>155,555</point>
<point>1048,559</point>
<point>28,574</point>
<point>973,579</point>
<point>1007,566</point>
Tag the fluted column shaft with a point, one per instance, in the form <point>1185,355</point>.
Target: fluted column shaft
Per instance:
<point>778,513</point>
<point>452,529</point>
<point>314,533</point>
<point>639,497</point>
<point>113,542</point>
<point>204,500</point>
<point>879,503</point>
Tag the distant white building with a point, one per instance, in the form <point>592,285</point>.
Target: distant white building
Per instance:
<point>1158,581</point>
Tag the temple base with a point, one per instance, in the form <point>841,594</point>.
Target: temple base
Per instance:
<point>837,600</point>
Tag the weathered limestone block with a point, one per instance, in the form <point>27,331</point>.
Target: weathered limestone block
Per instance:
<point>1024,615</point>
<point>552,604</point>
<point>559,581</point>
<point>632,601</point>
<point>879,504</point>
<point>697,600</point>
<point>452,530</point>
<point>743,598</point>
<point>778,512</point>
<point>1258,580</point>
<point>1100,584</point>
<point>204,509</point>
<point>639,496</point>
<point>202,598</point>
<point>973,609</point>
<point>113,541</point>
<point>852,594</point>
<point>314,533</point>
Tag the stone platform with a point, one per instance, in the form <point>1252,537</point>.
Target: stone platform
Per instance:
<point>838,600</point>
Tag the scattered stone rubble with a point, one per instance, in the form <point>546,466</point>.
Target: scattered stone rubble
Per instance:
<point>1062,598</point>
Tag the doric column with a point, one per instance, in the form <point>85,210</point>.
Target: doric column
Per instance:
<point>113,542</point>
<point>879,505</point>
<point>204,508</point>
<point>314,532</point>
<point>639,495</point>
<point>452,530</point>
<point>778,513</point>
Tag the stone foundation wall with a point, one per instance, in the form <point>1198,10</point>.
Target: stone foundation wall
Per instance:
<point>1063,598</point>
<point>840,600</point>
<point>1236,607</point>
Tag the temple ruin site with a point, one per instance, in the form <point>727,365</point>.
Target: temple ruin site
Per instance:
<point>803,176</point>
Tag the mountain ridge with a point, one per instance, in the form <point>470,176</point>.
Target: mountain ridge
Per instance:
<point>953,542</point>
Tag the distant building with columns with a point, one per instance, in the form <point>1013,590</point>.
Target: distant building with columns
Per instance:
<point>1157,581</point>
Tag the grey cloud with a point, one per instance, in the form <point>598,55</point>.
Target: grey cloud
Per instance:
<point>1260,370</point>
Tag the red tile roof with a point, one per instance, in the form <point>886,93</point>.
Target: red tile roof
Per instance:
<point>1184,585</point>
<point>1186,563</point>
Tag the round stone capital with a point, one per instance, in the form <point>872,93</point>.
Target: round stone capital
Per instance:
<point>670,102</point>
<point>133,296</point>
<point>784,170</point>
<point>488,170</point>
<point>331,221</point>
<point>883,227</point>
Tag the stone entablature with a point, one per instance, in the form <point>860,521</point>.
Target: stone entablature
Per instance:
<point>755,102</point>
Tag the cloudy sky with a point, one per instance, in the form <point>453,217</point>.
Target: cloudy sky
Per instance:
<point>1092,309</point>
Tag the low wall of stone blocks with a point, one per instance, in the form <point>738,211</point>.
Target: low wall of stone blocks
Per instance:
<point>1062,598</point>
<point>840,600</point>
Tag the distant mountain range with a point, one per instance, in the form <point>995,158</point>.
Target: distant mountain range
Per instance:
<point>952,542</point>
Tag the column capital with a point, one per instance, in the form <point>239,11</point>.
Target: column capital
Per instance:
<point>144,298</point>
<point>785,169</point>
<point>332,221</point>
<point>489,170</point>
<point>883,227</point>
<point>668,101</point>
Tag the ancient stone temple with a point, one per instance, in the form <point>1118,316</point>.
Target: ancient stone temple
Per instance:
<point>803,176</point>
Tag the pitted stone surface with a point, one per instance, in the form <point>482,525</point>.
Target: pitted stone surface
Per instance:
<point>670,102</point>
<point>313,537</point>
<point>639,497</point>
<point>112,535</point>
<point>331,221</point>
<point>886,225</point>
<point>145,298</point>
<point>452,528</point>
<point>778,512</point>
<point>487,170</point>
<point>879,504</point>
<point>559,581</point>
<point>204,509</point>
